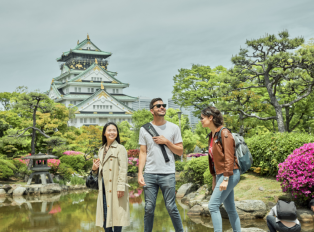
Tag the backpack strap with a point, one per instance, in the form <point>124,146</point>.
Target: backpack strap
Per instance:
<point>151,130</point>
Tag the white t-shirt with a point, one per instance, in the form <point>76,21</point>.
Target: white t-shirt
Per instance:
<point>155,161</point>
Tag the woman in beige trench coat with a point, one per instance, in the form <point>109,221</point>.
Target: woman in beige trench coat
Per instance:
<point>113,197</point>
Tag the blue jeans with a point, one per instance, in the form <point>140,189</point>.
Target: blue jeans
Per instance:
<point>167,183</point>
<point>116,228</point>
<point>227,197</point>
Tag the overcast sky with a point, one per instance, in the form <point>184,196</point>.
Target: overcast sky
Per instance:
<point>150,40</point>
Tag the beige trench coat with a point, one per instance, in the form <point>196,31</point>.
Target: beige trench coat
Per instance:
<point>114,169</point>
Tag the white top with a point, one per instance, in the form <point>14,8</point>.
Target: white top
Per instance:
<point>155,161</point>
<point>273,212</point>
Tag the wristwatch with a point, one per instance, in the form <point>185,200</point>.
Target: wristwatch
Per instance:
<point>226,178</point>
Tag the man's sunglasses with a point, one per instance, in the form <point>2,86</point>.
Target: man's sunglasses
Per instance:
<point>159,105</point>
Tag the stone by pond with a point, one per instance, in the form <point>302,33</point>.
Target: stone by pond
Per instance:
<point>251,212</point>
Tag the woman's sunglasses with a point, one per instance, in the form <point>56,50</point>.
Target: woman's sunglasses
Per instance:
<point>159,105</point>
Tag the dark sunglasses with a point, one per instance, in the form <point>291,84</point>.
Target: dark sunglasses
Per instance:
<point>159,105</point>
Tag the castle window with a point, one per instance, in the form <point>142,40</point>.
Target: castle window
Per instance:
<point>75,89</point>
<point>79,89</point>
<point>94,120</point>
<point>92,90</point>
<point>85,120</point>
<point>81,120</point>
<point>88,89</point>
<point>97,107</point>
<point>94,107</point>
<point>107,107</point>
<point>114,91</point>
<point>110,107</point>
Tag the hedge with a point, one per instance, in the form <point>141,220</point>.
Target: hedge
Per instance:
<point>270,149</point>
<point>7,169</point>
<point>194,171</point>
<point>77,162</point>
<point>180,165</point>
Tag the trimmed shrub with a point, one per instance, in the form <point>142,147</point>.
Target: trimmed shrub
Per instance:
<point>208,178</point>
<point>21,167</point>
<point>297,173</point>
<point>270,149</point>
<point>7,169</point>
<point>65,171</point>
<point>77,162</point>
<point>180,166</point>
<point>194,171</point>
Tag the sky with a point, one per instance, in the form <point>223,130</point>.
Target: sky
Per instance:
<point>150,40</point>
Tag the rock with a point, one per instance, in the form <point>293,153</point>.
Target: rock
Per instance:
<point>270,205</point>
<point>195,210</point>
<point>261,189</point>
<point>205,211</point>
<point>177,176</point>
<point>50,188</point>
<point>252,229</point>
<point>186,200</point>
<point>305,215</point>
<point>33,189</point>
<point>2,199</point>
<point>10,191</point>
<point>6,187</point>
<point>248,209</point>
<point>184,190</point>
<point>2,192</point>
<point>19,191</point>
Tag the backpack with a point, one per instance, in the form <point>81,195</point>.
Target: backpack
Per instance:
<point>242,151</point>
<point>286,211</point>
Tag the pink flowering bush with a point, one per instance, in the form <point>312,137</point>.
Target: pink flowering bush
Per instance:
<point>54,164</point>
<point>297,173</point>
<point>133,164</point>
<point>72,153</point>
<point>133,153</point>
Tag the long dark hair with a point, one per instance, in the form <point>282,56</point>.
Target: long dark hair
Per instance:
<point>104,139</point>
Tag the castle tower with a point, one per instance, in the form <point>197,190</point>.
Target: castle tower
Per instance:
<point>86,83</point>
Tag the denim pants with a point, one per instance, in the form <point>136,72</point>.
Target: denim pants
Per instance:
<point>167,183</point>
<point>227,198</point>
<point>116,228</point>
<point>274,226</point>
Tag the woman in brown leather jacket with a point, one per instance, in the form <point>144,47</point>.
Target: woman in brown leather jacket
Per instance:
<point>223,167</point>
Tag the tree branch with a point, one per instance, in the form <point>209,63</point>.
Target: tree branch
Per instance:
<point>260,118</point>
<point>308,92</point>
<point>47,136</point>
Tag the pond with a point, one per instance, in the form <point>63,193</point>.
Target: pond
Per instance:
<point>76,212</point>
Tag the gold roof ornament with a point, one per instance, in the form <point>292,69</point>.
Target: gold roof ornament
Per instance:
<point>52,81</point>
<point>96,62</point>
<point>87,36</point>
<point>102,86</point>
<point>78,42</point>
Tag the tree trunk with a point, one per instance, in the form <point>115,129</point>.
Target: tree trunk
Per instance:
<point>280,121</point>
<point>287,119</point>
<point>241,132</point>
<point>33,136</point>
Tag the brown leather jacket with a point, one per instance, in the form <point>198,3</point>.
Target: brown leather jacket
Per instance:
<point>224,159</point>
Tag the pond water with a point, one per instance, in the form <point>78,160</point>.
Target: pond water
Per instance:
<point>76,212</point>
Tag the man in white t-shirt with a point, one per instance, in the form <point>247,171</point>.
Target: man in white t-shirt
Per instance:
<point>158,172</point>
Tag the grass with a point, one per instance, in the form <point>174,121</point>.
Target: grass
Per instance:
<point>248,188</point>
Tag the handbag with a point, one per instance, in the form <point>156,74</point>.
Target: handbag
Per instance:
<point>92,181</point>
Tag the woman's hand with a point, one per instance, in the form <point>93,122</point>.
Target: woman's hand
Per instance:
<point>120,194</point>
<point>223,185</point>
<point>95,164</point>
<point>214,183</point>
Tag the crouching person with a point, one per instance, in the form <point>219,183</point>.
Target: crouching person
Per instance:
<point>283,218</point>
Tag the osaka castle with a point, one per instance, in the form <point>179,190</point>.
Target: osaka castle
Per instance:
<point>86,83</point>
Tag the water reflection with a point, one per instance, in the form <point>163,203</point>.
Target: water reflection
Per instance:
<point>76,212</point>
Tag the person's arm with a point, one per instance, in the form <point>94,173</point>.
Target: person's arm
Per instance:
<point>123,169</point>
<point>272,211</point>
<point>141,164</point>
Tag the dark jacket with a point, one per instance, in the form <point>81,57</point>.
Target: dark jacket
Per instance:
<point>224,159</point>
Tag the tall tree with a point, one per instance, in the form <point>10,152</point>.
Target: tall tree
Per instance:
<point>270,64</point>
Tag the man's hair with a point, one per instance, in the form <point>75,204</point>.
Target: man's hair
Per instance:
<point>153,101</point>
